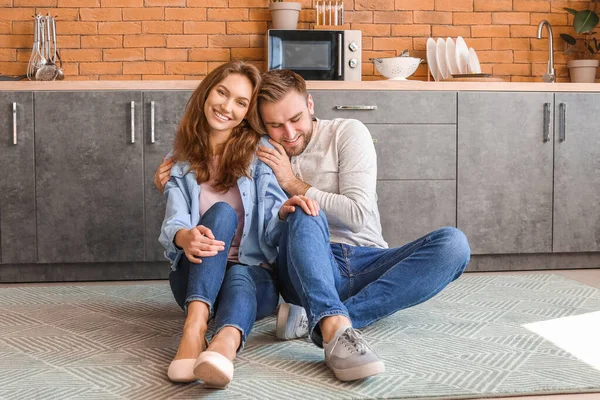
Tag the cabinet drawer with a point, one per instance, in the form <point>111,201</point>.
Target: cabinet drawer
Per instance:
<point>415,151</point>
<point>411,209</point>
<point>391,106</point>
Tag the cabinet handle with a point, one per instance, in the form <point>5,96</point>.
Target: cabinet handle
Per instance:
<point>14,123</point>
<point>562,128</point>
<point>133,122</point>
<point>547,122</point>
<point>152,122</point>
<point>362,108</point>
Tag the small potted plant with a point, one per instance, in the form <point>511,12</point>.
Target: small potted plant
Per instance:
<point>584,68</point>
<point>284,14</point>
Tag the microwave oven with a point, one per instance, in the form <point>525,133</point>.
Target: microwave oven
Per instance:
<point>316,54</point>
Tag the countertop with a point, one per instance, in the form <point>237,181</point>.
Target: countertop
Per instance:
<point>312,85</point>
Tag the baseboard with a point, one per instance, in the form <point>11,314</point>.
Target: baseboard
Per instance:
<point>77,272</point>
<point>533,262</point>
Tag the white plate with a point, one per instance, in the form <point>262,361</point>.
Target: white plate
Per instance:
<point>462,56</point>
<point>474,62</point>
<point>440,57</point>
<point>431,63</point>
<point>451,56</point>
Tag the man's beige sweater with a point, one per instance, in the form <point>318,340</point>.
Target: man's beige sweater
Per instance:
<point>340,164</point>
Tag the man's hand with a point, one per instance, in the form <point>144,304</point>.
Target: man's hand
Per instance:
<point>162,175</point>
<point>309,206</point>
<point>278,160</point>
<point>198,242</point>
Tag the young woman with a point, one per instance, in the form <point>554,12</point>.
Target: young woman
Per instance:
<point>224,215</point>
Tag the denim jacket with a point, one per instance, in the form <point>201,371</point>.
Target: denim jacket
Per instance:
<point>261,197</point>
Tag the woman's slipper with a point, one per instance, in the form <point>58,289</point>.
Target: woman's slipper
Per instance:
<point>182,370</point>
<point>214,369</point>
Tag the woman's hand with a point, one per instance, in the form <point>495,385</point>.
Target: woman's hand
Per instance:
<point>198,242</point>
<point>309,206</point>
<point>163,173</point>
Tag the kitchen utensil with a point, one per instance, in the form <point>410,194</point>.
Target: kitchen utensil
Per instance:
<point>451,56</point>
<point>60,74</point>
<point>35,51</point>
<point>431,62</point>
<point>397,68</point>
<point>474,65</point>
<point>47,72</point>
<point>462,55</point>
<point>404,53</point>
<point>440,58</point>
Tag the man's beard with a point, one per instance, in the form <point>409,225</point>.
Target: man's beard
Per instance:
<point>296,151</point>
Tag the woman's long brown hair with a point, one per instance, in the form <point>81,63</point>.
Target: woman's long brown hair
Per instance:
<point>192,144</point>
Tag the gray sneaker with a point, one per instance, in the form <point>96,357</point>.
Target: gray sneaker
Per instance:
<point>349,356</point>
<point>292,322</point>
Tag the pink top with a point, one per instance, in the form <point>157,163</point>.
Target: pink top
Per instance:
<point>209,196</point>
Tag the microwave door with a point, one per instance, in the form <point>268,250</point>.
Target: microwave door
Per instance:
<point>314,55</point>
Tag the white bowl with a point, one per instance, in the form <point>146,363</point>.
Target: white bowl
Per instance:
<point>397,68</point>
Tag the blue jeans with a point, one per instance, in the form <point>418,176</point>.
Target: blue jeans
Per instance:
<point>236,294</point>
<point>364,284</point>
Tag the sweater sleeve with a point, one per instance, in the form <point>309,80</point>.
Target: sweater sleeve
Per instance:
<point>357,179</point>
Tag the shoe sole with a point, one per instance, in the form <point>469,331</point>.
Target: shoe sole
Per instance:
<point>282,316</point>
<point>214,371</point>
<point>360,372</point>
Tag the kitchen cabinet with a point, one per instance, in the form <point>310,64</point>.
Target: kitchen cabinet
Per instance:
<point>17,179</point>
<point>416,172</point>
<point>415,140</point>
<point>505,178</point>
<point>410,209</point>
<point>89,176</point>
<point>162,113</point>
<point>518,172</point>
<point>577,173</point>
<point>415,151</point>
<point>390,107</point>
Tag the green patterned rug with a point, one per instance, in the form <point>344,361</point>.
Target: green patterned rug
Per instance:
<point>115,341</point>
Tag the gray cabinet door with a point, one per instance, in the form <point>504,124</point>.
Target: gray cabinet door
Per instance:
<point>577,173</point>
<point>17,179</point>
<point>89,176</point>
<point>504,182</point>
<point>169,107</point>
<point>392,107</point>
<point>411,209</point>
<point>415,151</point>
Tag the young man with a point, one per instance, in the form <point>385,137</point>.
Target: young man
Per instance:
<point>339,268</point>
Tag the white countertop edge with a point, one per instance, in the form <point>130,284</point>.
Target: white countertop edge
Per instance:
<point>312,85</point>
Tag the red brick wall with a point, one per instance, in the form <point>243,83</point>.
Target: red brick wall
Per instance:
<point>184,39</point>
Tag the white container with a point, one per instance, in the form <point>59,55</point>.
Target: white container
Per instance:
<point>583,71</point>
<point>397,68</point>
<point>285,14</point>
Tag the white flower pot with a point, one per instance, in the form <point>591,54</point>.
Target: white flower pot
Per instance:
<point>583,71</point>
<point>285,14</point>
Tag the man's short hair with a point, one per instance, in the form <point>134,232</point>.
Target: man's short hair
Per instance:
<point>277,83</point>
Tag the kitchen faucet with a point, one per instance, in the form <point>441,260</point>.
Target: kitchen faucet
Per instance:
<point>549,76</point>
